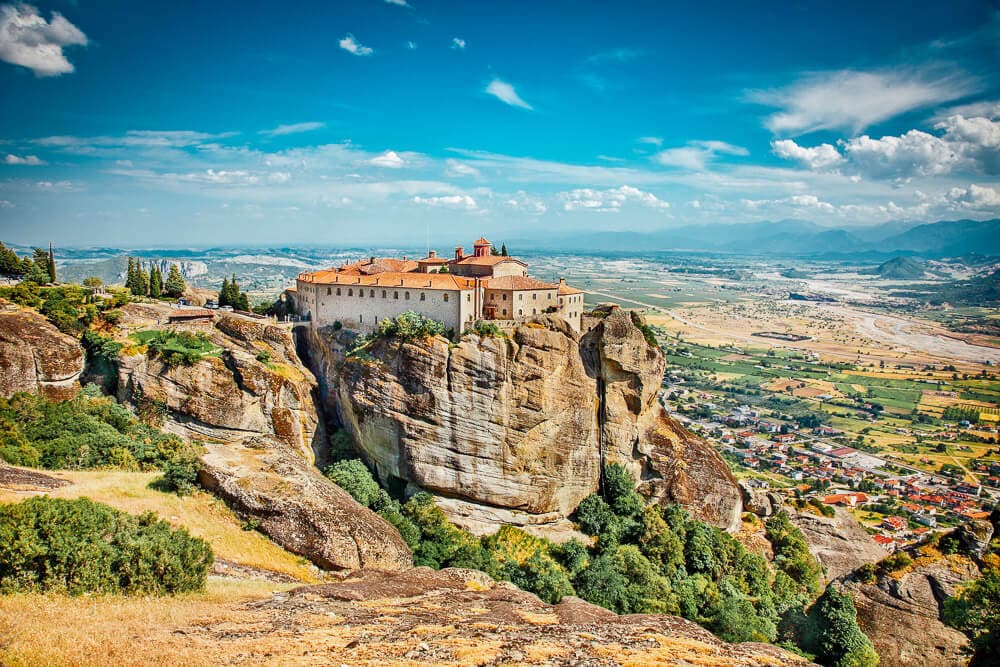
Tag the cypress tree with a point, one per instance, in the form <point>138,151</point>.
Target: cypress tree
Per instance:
<point>503,250</point>
<point>175,284</point>
<point>143,281</point>
<point>224,293</point>
<point>51,265</point>
<point>155,282</point>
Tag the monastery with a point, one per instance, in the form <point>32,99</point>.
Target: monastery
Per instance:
<point>457,292</point>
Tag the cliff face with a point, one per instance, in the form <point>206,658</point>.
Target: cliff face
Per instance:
<point>36,357</point>
<point>902,614</point>
<point>515,429</point>
<point>839,543</point>
<point>259,424</point>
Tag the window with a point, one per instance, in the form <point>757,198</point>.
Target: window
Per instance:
<point>504,311</point>
<point>371,294</point>
<point>520,297</point>
<point>446,297</point>
<point>534,297</point>
<point>361,318</point>
<point>423,297</point>
<point>504,297</point>
<point>350,292</point>
<point>328,291</point>
<point>361,294</point>
<point>468,297</point>
<point>383,294</point>
<point>406,296</point>
<point>338,291</point>
<point>395,295</point>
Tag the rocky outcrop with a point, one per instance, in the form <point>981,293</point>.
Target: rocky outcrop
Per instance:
<point>839,543</point>
<point>287,499</point>
<point>901,613</point>
<point>254,407</point>
<point>462,617</point>
<point>36,357</point>
<point>515,429</point>
<point>762,502</point>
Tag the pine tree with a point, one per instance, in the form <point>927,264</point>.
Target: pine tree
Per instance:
<point>132,277</point>
<point>51,264</point>
<point>224,293</point>
<point>503,250</point>
<point>175,284</point>
<point>143,281</point>
<point>155,282</point>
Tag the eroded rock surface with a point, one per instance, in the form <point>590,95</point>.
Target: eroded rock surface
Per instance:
<point>36,357</point>
<point>462,617</point>
<point>520,425</point>
<point>902,614</point>
<point>839,543</point>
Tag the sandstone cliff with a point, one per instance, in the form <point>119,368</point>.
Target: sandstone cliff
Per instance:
<point>260,425</point>
<point>36,357</point>
<point>515,429</point>
<point>901,613</point>
<point>839,543</point>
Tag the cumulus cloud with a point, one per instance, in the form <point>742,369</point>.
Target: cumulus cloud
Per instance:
<point>696,154</point>
<point>505,92</point>
<point>983,198</point>
<point>816,157</point>
<point>797,201</point>
<point>28,40</point>
<point>457,43</point>
<point>912,153</point>
<point>388,159</point>
<point>27,160</point>
<point>455,167</point>
<point>854,100</point>
<point>294,128</point>
<point>522,201</point>
<point>464,202</point>
<point>352,45</point>
<point>609,201</point>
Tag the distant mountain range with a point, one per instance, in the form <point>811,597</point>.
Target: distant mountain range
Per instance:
<point>798,238</point>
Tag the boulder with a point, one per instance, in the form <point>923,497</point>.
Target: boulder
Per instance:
<point>839,543</point>
<point>36,357</point>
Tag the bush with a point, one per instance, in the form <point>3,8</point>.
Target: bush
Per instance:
<point>976,612</point>
<point>79,546</point>
<point>354,477</point>
<point>411,325</point>
<point>833,635</point>
<point>485,329</point>
<point>791,553</point>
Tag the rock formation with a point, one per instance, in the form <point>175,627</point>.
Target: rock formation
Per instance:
<point>36,357</point>
<point>515,429</point>
<point>901,613</point>
<point>260,425</point>
<point>839,543</point>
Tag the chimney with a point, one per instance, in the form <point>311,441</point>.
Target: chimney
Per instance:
<point>459,254</point>
<point>431,254</point>
<point>404,258</point>
<point>562,282</point>
<point>371,260</point>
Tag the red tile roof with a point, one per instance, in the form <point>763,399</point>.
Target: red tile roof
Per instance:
<point>485,260</point>
<point>439,281</point>
<point>566,290</point>
<point>481,241</point>
<point>518,283</point>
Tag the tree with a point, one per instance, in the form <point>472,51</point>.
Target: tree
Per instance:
<point>143,281</point>
<point>92,282</point>
<point>976,612</point>
<point>503,250</point>
<point>130,276</point>
<point>10,263</point>
<point>355,478</point>
<point>224,293</point>
<point>50,265</point>
<point>155,282</point>
<point>175,284</point>
<point>35,272</point>
<point>833,634</point>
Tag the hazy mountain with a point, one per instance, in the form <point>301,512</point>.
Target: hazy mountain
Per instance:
<point>901,268</point>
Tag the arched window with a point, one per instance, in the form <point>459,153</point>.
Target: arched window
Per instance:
<point>383,294</point>
<point>338,291</point>
<point>520,312</point>
<point>395,295</point>
<point>446,297</point>
<point>534,297</point>
<point>371,294</point>
<point>406,296</point>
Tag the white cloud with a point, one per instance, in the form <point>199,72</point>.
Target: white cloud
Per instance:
<point>294,128</point>
<point>914,152</point>
<point>816,157</point>
<point>522,201</point>
<point>398,3</point>
<point>351,45</point>
<point>854,100</point>
<point>457,44</point>
<point>28,40</point>
<point>388,159</point>
<point>655,141</point>
<point>697,154</point>
<point>797,201</point>
<point>464,202</point>
<point>6,203</point>
<point>27,160</point>
<point>976,197</point>
<point>455,167</point>
<point>279,177</point>
<point>612,200</point>
<point>505,92</point>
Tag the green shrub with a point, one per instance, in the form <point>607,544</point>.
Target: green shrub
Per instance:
<point>486,329</point>
<point>833,635</point>
<point>975,610</point>
<point>263,356</point>
<point>411,325</point>
<point>791,554</point>
<point>79,546</point>
<point>354,477</point>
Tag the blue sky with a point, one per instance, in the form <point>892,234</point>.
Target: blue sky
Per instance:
<point>192,123</point>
